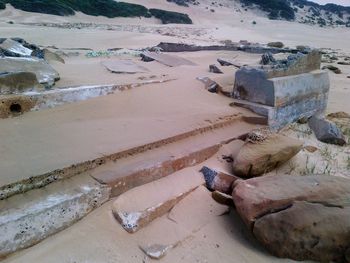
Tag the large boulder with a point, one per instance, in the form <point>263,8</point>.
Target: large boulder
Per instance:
<point>326,131</point>
<point>257,158</point>
<point>299,217</point>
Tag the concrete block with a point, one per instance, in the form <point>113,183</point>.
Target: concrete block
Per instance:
<point>252,84</point>
<point>29,218</point>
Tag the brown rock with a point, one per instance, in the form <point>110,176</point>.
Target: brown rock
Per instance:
<point>218,181</point>
<point>299,217</point>
<point>307,231</point>
<point>255,159</point>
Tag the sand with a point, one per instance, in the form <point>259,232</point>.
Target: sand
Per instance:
<point>39,142</point>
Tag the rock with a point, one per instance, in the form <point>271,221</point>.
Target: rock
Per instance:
<point>210,85</point>
<point>227,62</point>
<point>156,251</point>
<point>267,58</point>
<point>277,44</point>
<point>332,68</point>
<point>123,66</point>
<point>326,131</point>
<point>343,63</point>
<point>15,49</point>
<point>51,56</point>
<point>222,198</point>
<point>218,181</point>
<point>339,115</point>
<point>168,60</point>
<point>146,58</point>
<point>255,159</point>
<point>214,69</point>
<point>17,82</point>
<point>291,215</point>
<point>44,72</point>
<point>303,48</point>
<point>310,148</point>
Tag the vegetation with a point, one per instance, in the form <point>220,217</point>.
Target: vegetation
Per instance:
<point>168,17</point>
<point>108,8</point>
<point>276,8</point>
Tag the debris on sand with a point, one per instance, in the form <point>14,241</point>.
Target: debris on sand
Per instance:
<point>210,85</point>
<point>168,60</point>
<point>123,66</point>
<point>214,69</point>
<point>335,69</point>
<point>156,251</point>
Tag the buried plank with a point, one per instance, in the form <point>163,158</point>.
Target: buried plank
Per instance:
<point>168,60</point>
<point>154,199</point>
<point>152,165</point>
<point>187,217</point>
<point>57,97</point>
<point>27,219</point>
<point>12,186</point>
<point>123,66</point>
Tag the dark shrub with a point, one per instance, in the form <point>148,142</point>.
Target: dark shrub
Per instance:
<point>168,17</point>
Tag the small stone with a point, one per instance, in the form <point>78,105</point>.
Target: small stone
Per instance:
<point>155,251</point>
<point>332,68</point>
<point>277,44</point>
<point>267,59</point>
<point>218,180</point>
<point>310,148</point>
<point>214,69</point>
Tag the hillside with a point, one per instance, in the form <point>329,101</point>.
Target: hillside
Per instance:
<point>107,8</point>
<point>301,11</point>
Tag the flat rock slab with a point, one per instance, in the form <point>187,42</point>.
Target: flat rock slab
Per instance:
<point>43,71</point>
<point>14,48</point>
<point>123,66</point>
<point>168,60</point>
<point>311,214</point>
<point>139,206</point>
